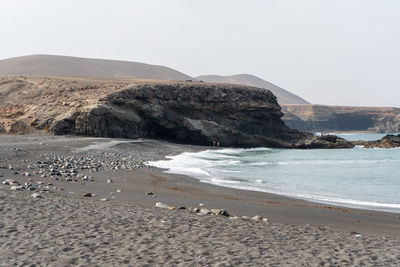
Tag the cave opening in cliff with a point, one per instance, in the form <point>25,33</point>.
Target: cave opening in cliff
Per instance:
<point>175,133</point>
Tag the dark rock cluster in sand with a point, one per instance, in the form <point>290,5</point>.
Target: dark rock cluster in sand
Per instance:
<point>65,168</point>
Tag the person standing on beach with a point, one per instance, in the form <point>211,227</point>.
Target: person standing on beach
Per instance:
<point>217,143</point>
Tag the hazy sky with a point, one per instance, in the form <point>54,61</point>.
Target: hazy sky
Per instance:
<point>343,52</point>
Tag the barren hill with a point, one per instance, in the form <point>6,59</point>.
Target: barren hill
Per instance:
<point>64,66</point>
<point>284,96</point>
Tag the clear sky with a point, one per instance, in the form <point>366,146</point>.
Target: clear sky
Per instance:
<point>339,52</point>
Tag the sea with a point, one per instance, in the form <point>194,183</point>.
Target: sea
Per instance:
<point>357,178</point>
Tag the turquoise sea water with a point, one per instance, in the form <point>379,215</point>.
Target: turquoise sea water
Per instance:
<point>361,178</point>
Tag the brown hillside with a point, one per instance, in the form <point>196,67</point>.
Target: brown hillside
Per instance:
<point>64,66</point>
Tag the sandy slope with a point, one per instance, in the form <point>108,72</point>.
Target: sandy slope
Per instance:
<point>51,65</point>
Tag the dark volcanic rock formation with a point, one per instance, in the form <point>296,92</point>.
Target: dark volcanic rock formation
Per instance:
<point>185,112</point>
<point>194,113</point>
<point>283,96</point>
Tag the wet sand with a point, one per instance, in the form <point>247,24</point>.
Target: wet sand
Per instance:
<point>64,228</point>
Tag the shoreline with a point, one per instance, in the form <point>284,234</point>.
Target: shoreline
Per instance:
<point>318,200</point>
<point>180,190</point>
<point>119,224</point>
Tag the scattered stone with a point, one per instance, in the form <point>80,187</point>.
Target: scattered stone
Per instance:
<point>9,182</point>
<point>171,208</point>
<point>245,218</point>
<point>205,211</point>
<point>149,193</point>
<point>265,220</point>
<point>17,187</point>
<point>220,212</point>
<point>162,205</point>
<point>181,208</point>
<point>104,199</point>
<point>36,195</point>
<point>119,191</point>
<point>196,210</point>
<point>257,218</point>
<point>109,181</point>
<point>88,195</point>
<point>201,204</point>
<point>356,234</point>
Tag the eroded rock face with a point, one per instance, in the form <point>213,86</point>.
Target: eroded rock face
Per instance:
<point>321,118</point>
<point>194,113</point>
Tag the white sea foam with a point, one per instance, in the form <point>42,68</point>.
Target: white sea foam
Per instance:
<point>355,178</point>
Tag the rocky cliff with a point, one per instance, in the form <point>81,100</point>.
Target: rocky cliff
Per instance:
<point>320,118</point>
<point>184,112</point>
<point>283,96</point>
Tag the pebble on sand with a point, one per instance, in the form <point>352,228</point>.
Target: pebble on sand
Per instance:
<point>205,211</point>
<point>257,218</point>
<point>164,206</point>
<point>17,187</point>
<point>220,212</point>
<point>36,195</point>
<point>88,195</point>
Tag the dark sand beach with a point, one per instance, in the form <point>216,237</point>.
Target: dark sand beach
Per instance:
<point>120,224</point>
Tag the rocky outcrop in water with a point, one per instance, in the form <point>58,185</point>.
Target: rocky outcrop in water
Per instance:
<point>192,113</point>
<point>389,141</point>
